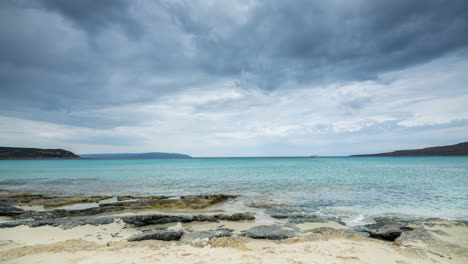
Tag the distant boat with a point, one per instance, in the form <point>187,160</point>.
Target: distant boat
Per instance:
<point>313,156</point>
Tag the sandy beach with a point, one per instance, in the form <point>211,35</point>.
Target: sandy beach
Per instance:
<point>259,240</point>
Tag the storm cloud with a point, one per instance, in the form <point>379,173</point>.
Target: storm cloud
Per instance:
<point>250,75</point>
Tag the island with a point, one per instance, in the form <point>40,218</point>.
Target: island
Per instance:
<point>35,153</point>
<point>460,149</point>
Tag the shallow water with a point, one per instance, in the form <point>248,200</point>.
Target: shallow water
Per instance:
<point>350,188</point>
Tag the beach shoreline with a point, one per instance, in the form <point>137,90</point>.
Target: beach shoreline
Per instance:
<point>200,229</point>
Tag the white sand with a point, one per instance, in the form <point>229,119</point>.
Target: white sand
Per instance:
<point>107,244</point>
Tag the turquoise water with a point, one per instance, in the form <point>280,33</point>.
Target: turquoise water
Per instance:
<point>418,186</point>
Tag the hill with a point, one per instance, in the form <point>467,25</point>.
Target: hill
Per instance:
<point>150,155</point>
<point>460,149</point>
<point>35,153</point>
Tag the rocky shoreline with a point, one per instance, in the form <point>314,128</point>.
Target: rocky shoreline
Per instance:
<point>191,221</point>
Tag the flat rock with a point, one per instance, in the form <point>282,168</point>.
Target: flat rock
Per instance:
<point>61,213</point>
<point>235,217</point>
<point>160,234</point>
<point>190,201</point>
<point>7,208</point>
<point>134,220</point>
<point>63,223</point>
<point>198,236</point>
<point>272,232</point>
<point>144,220</point>
<point>386,228</point>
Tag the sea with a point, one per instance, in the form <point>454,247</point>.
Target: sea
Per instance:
<point>353,189</point>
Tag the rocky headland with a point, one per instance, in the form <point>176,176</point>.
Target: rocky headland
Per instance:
<point>35,153</point>
<point>460,149</point>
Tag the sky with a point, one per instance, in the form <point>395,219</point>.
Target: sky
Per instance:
<point>234,77</point>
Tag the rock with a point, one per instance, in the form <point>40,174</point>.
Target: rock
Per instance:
<point>7,208</point>
<point>134,220</point>
<point>388,235</point>
<point>63,223</point>
<point>51,202</point>
<point>143,220</point>
<point>21,197</point>
<point>386,228</point>
<point>198,236</point>
<point>141,198</point>
<point>60,213</point>
<point>309,219</point>
<point>272,232</point>
<point>263,205</point>
<point>160,234</point>
<point>130,202</point>
<point>191,201</point>
<point>328,232</point>
<point>234,217</point>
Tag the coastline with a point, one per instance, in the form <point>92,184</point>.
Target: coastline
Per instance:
<point>204,229</point>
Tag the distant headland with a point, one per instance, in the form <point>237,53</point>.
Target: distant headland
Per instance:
<point>35,153</point>
<point>10,153</point>
<point>460,149</point>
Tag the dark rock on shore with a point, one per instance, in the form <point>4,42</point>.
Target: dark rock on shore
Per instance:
<point>197,236</point>
<point>234,217</point>
<point>63,223</point>
<point>7,208</point>
<point>144,220</point>
<point>272,232</point>
<point>134,220</point>
<point>61,213</point>
<point>160,234</point>
<point>386,228</point>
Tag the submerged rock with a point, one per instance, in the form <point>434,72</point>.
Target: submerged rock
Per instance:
<point>202,201</point>
<point>190,202</point>
<point>300,218</point>
<point>272,232</point>
<point>130,202</point>
<point>21,197</point>
<point>50,201</point>
<point>160,234</point>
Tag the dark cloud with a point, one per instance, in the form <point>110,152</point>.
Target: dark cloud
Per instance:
<point>62,57</point>
<point>95,16</point>
<point>334,40</point>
